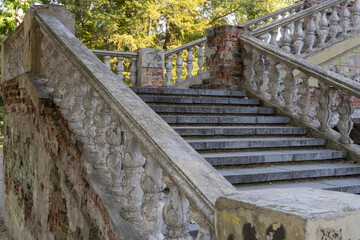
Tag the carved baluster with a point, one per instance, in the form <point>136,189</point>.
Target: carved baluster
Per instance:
<point>107,63</point>
<point>356,15</point>
<point>324,107</point>
<point>260,74</point>
<point>286,39</point>
<point>304,97</point>
<point>324,28</point>
<point>345,21</point>
<point>189,61</point>
<point>169,67</point>
<point>176,213</point>
<point>132,161</point>
<point>114,139</point>
<point>248,66</point>
<point>201,58</point>
<point>205,231</point>
<point>151,208</point>
<point>101,119</point>
<point>179,64</point>
<point>299,37</point>
<point>133,71</point>
<point>274,75</point>
<point>310,35</point>
<point>345,123</point>
<point>89,104</point>
<point>79,91</point>
<point>289,83</point>
<point>257,25</point>
<point>120,68</point>
<point>273,37</point>
<point>334,20</point>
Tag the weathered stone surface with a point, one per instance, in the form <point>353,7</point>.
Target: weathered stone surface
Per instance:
<point>300,213</point>
<point>150,67</point>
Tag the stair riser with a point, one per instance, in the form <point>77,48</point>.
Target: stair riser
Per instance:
<point>202,100</point>
<point>212,110</point>
<point>174,91</point>
<point>224,120</point>
<point>240,132</point>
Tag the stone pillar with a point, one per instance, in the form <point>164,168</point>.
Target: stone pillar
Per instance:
<point>150,67</point>
<point>223,55</point>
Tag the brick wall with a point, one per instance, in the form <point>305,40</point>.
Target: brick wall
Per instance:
<point>225,66</point>
<point>152,77</point>
<point>47,190</point>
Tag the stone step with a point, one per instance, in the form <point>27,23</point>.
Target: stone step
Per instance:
<point>243,143</point>
<point>198,109</point>
<point>238,130</point>
<point>349,185</point>
<point>242,158</point>
<point>198,100</point>
<point>192,119</point>
<point>237,175</point>
<point>194,92</point>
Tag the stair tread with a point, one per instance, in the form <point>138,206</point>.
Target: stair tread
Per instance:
<point>176,91</point>
<point>269,139</point>
<point>219,119</point>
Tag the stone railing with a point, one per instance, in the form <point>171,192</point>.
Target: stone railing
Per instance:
<point>129,153</point>
<point>189,47</point>
<point>120,56</point>
<point>314,28</point>
<point>279,15</point>
<point>264,81</point>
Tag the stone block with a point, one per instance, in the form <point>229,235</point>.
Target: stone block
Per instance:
<point>290,213</point>
<point>150,67</point>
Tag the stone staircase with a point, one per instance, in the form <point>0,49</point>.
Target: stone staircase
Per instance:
<point>250,145</point>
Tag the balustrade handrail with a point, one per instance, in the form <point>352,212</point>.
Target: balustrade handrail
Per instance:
<point>103,53</point>
<point>191,173</point>
<point>273,14</point>
<point>307,67</point>
<point>293,18</point>
<point>185,46</point>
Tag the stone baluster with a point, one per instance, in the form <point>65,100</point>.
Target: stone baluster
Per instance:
<point>304,102</point>
<point>274,76</point>
<point>201,55</point>
<point>286,38</point>
<point>273,37</point>
<point>356,15</point>
<point>176,213</point>
<point>259,67</point>
<point>205,231</point>
<point>107,61</point>
<point>78,110</point>
<point>168,67</point>
<point>115,140</point>
<point>310,34</point>
<point>132,161</point>
<point>324,107</point>
<point>299,37</point>
<point>257,25</point>
<point>289,83</point>
<point>133,70</point>
<point>334,23</point>
<point>120,68</point>
<point>101,120</point>
<point>151,208</point>
<point>189,63</point>
<point>324,28</point>
<point>345,123</point>
<point>248,66</point>
<point>89,103</point>
<point>345,20</point>
<point>179,64</point>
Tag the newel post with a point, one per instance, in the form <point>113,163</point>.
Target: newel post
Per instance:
<point>150,67</point>
<point>223,56</point>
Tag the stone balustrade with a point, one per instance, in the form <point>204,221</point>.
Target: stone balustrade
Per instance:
<point>275,82</point>
<point>313,29</point>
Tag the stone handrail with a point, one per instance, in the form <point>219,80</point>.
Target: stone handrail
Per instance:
<point>120,133</point>
<point>264,81</point>
<point>120,56</point>
<point>281,14</point>
<point>189,47</point>
<point>314,28</point>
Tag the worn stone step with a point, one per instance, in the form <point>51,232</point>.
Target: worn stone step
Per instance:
<point>198,109</point>
<point>238,130</point>
<point>194,92</point>
<point>198,100</point>
<point>242,158</point>
<point>349,185</point>
<point>191,119</point>
<point>237,175</point>
<point>243,143</point>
